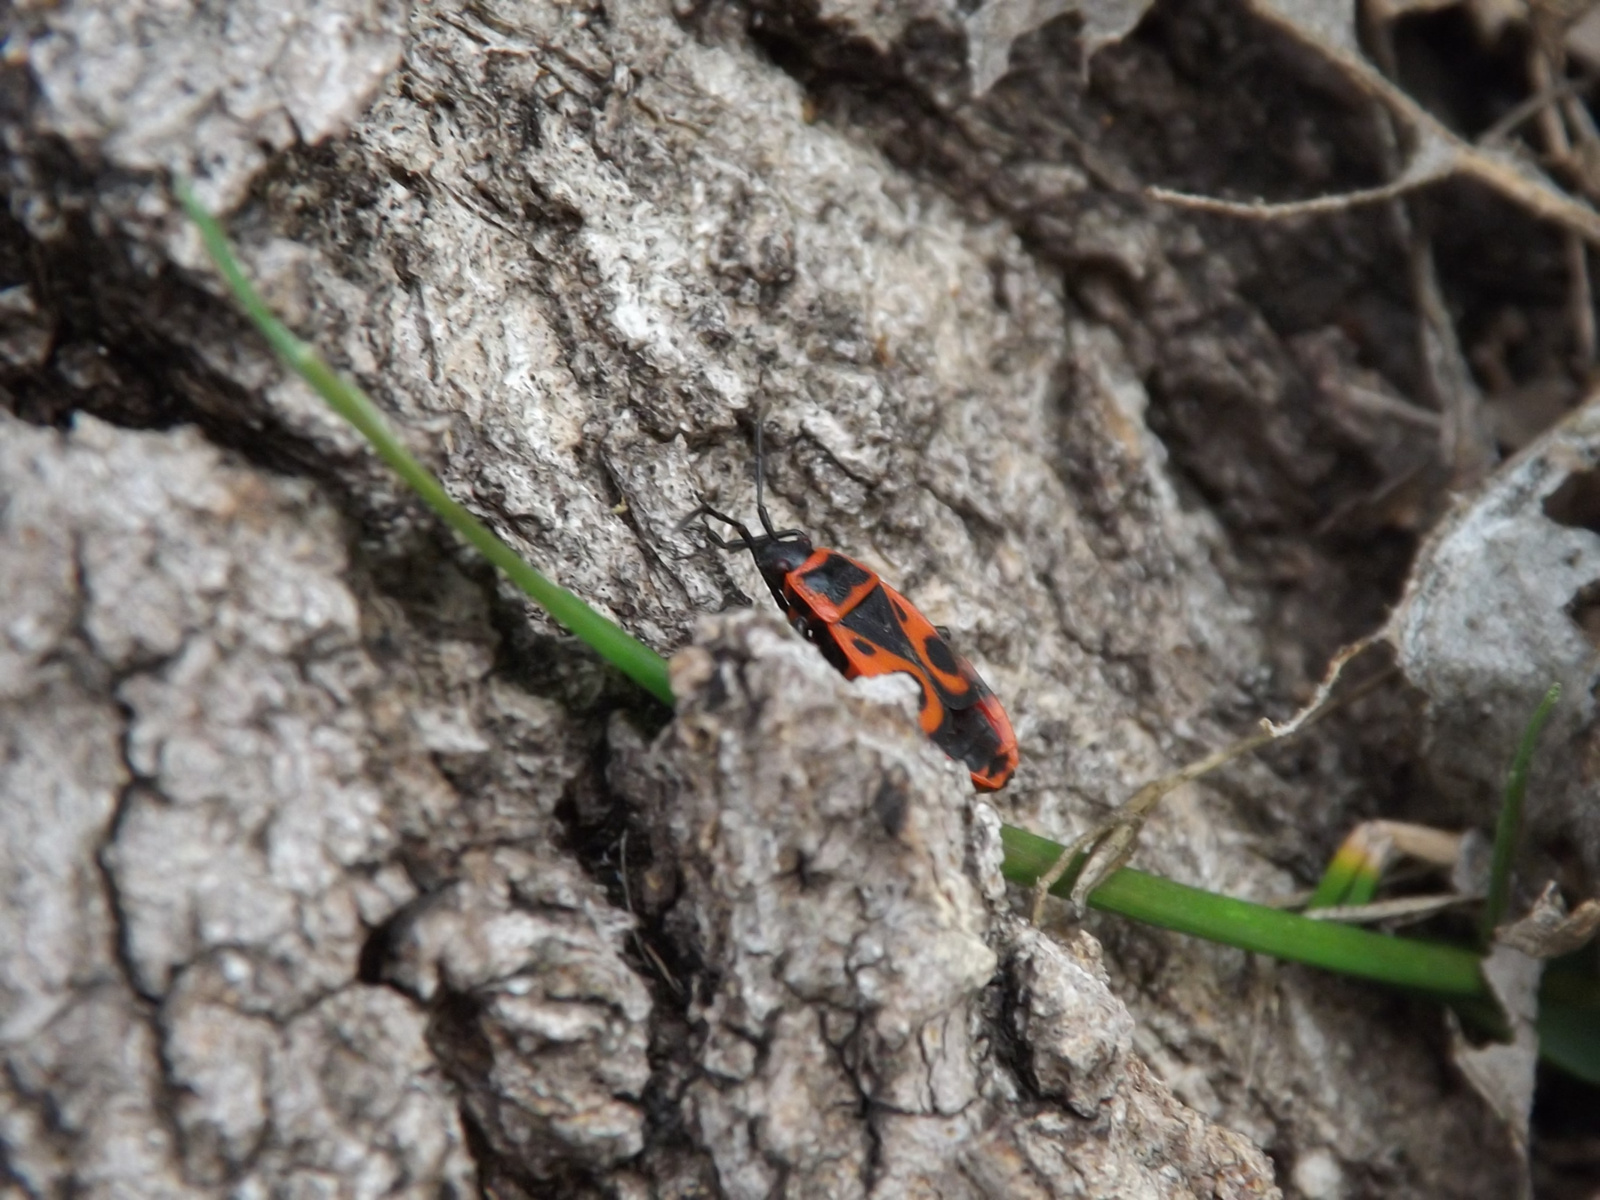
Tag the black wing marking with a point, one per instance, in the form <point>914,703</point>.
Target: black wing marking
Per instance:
<point>874,619</point>
<point>836,578</point>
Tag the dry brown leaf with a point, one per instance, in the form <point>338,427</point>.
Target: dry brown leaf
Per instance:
<point>1503,1072</point>
<point>1549,930</point>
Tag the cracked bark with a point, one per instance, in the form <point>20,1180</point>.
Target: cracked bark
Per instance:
<point>331,870</point>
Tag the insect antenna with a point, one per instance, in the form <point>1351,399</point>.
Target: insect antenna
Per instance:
<point>776,535</point>
<point>761,476</point>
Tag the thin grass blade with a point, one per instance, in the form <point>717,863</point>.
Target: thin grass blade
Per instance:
<point>1351,878</point>
<point>1508,829</point>
<point>625,652</point>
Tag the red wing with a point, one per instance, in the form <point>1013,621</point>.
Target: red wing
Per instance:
<point>865,657</point>
<point>978,735</point>
<point>871,629</point>
<point>989,747</point>
<point>892,623</point>
<point>830,584</point>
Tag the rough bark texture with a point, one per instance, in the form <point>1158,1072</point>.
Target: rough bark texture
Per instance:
<point>331,870</point>
<point>861,1036</point>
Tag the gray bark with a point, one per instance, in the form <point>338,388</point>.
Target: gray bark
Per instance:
<point>331,869</point>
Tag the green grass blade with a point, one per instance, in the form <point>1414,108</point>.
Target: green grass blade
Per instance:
<point>1351,877</point>
<point>1570,1038</point>
<point>1569,1015</point>
<point>1444,971</point>
<point>629,655</point>
<point>1569,995</point>
<point>1508,829</point>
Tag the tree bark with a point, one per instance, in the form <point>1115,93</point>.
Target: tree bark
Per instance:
<point>332,868</point>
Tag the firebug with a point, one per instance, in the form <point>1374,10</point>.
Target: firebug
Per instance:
<point>864,627</point>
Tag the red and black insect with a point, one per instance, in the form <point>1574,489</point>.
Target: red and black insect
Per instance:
<point>864,627</point>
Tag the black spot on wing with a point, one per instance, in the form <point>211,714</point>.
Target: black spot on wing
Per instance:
<point>940,655</point>
<point>967,736</point>
<point>836,577</point>
<point>873,619</point>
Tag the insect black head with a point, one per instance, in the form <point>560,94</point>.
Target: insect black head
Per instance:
<point>778,556</point>
<point>777,551</point>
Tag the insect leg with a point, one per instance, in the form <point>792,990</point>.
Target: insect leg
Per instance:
<point>745,541</point>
